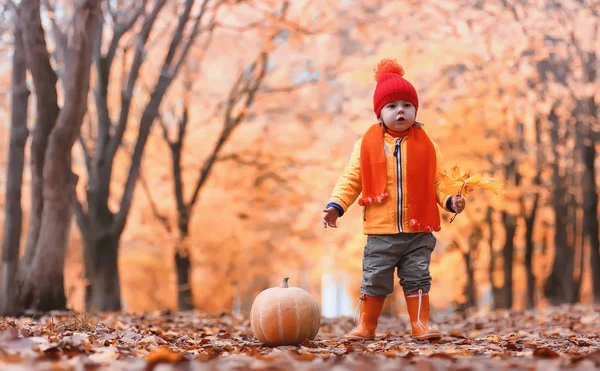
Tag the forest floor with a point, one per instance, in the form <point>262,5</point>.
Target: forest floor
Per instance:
<point>566,337</point>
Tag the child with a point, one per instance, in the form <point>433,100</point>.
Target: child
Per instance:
<point>395,166</point>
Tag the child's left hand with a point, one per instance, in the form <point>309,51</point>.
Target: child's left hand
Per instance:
<point>458,203</point>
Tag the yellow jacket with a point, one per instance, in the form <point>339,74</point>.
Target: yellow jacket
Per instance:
<point>383,218</point>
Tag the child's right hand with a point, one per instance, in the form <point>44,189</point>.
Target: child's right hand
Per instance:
<point>330,216</point>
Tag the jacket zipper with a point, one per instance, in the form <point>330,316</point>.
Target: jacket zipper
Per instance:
<point>398,155</point>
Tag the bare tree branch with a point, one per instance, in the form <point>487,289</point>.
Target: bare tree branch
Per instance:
<point>183,124</point>
<point>86,154</point>
<point>101,93</point>
<point>253,88</point>
<point>194,31</point>
<point>103,65</point>
<point>262,166</point>
<point>265,162</point>
<point>176,159</point>
<point>240,160</point>
<point>151,112</point>
<point>82,218</point>
<point>286,89</point>
<point>122,27</point>
<point>231,121</point>
<point>164,221</point>
<point>165,130</point>
<point>59,36</point>
<point>270,175</point>
<point>247,27</point>
<point>178,34</point>
<point>176,147</point>
<point>515,14</point>
<point>127,94</point>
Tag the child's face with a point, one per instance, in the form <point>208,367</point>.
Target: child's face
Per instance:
<point>398,115</point>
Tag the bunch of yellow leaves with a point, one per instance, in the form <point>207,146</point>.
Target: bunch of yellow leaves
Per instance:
<point>466,183</point>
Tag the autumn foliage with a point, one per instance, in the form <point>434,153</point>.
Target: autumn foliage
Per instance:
<point>176,160</point>
<point>216,166</point>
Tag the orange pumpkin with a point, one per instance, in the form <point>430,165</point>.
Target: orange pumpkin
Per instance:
<point>284,315</point>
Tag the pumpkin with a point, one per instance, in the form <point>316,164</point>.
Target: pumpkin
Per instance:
<point>284,315</point>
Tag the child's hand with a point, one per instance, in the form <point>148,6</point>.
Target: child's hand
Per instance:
<point>458,203</point>
<point>330,216</point>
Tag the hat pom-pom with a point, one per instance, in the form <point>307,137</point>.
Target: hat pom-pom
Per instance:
<point>388,66</point>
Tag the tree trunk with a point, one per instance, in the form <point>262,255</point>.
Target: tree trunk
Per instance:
<point>529,247</point>
<point>508,251</point>
<point>109,144</point>
<point>590,215</point>
<point>42,288</point>
<point>184,288</point>
<point>574,210</point>
<point>531,217</point>
<point>182,256</point>
<point>183,266</point>
<point>590,188</point>
<point>496,292</point>
<point>103,292</point>
<point>578,281</point>
<point>471,298</point>
<point>44,82</point>
<point>101,227</point>
<point>512,174</point>
<point>471,288</point>
<point>590,208</point>
<point>16,160</point>
<point>559,286</point>
<point>101,254</point>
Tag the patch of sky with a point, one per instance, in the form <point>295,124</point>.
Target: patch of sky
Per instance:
<point>282,37</point>
<point>309,73</point>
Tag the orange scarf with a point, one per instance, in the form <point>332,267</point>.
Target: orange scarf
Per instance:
<point>420,175</point>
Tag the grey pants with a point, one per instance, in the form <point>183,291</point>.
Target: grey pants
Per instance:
<point>410,253</point>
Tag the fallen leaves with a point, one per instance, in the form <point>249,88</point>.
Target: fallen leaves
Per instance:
<point>164,354</point>
<point>545,353</point>
<point>562,337</point>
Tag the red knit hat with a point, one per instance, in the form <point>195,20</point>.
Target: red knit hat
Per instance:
<point>392,86</point>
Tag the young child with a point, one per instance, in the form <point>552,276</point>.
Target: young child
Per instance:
<point>395,166</point>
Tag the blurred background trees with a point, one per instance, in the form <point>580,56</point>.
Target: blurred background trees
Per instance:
<point>215,130</point>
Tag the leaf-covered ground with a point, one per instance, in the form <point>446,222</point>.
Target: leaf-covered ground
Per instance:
<point>545,339</point>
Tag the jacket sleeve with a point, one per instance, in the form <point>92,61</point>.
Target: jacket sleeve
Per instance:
<point>349,184</point>
<point>443,198</point>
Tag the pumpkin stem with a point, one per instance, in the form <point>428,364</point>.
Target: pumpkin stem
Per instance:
<point>284,284</point>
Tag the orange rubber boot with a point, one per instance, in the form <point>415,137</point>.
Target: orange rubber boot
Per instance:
<point>370,309</point>
<point>418,310</point>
